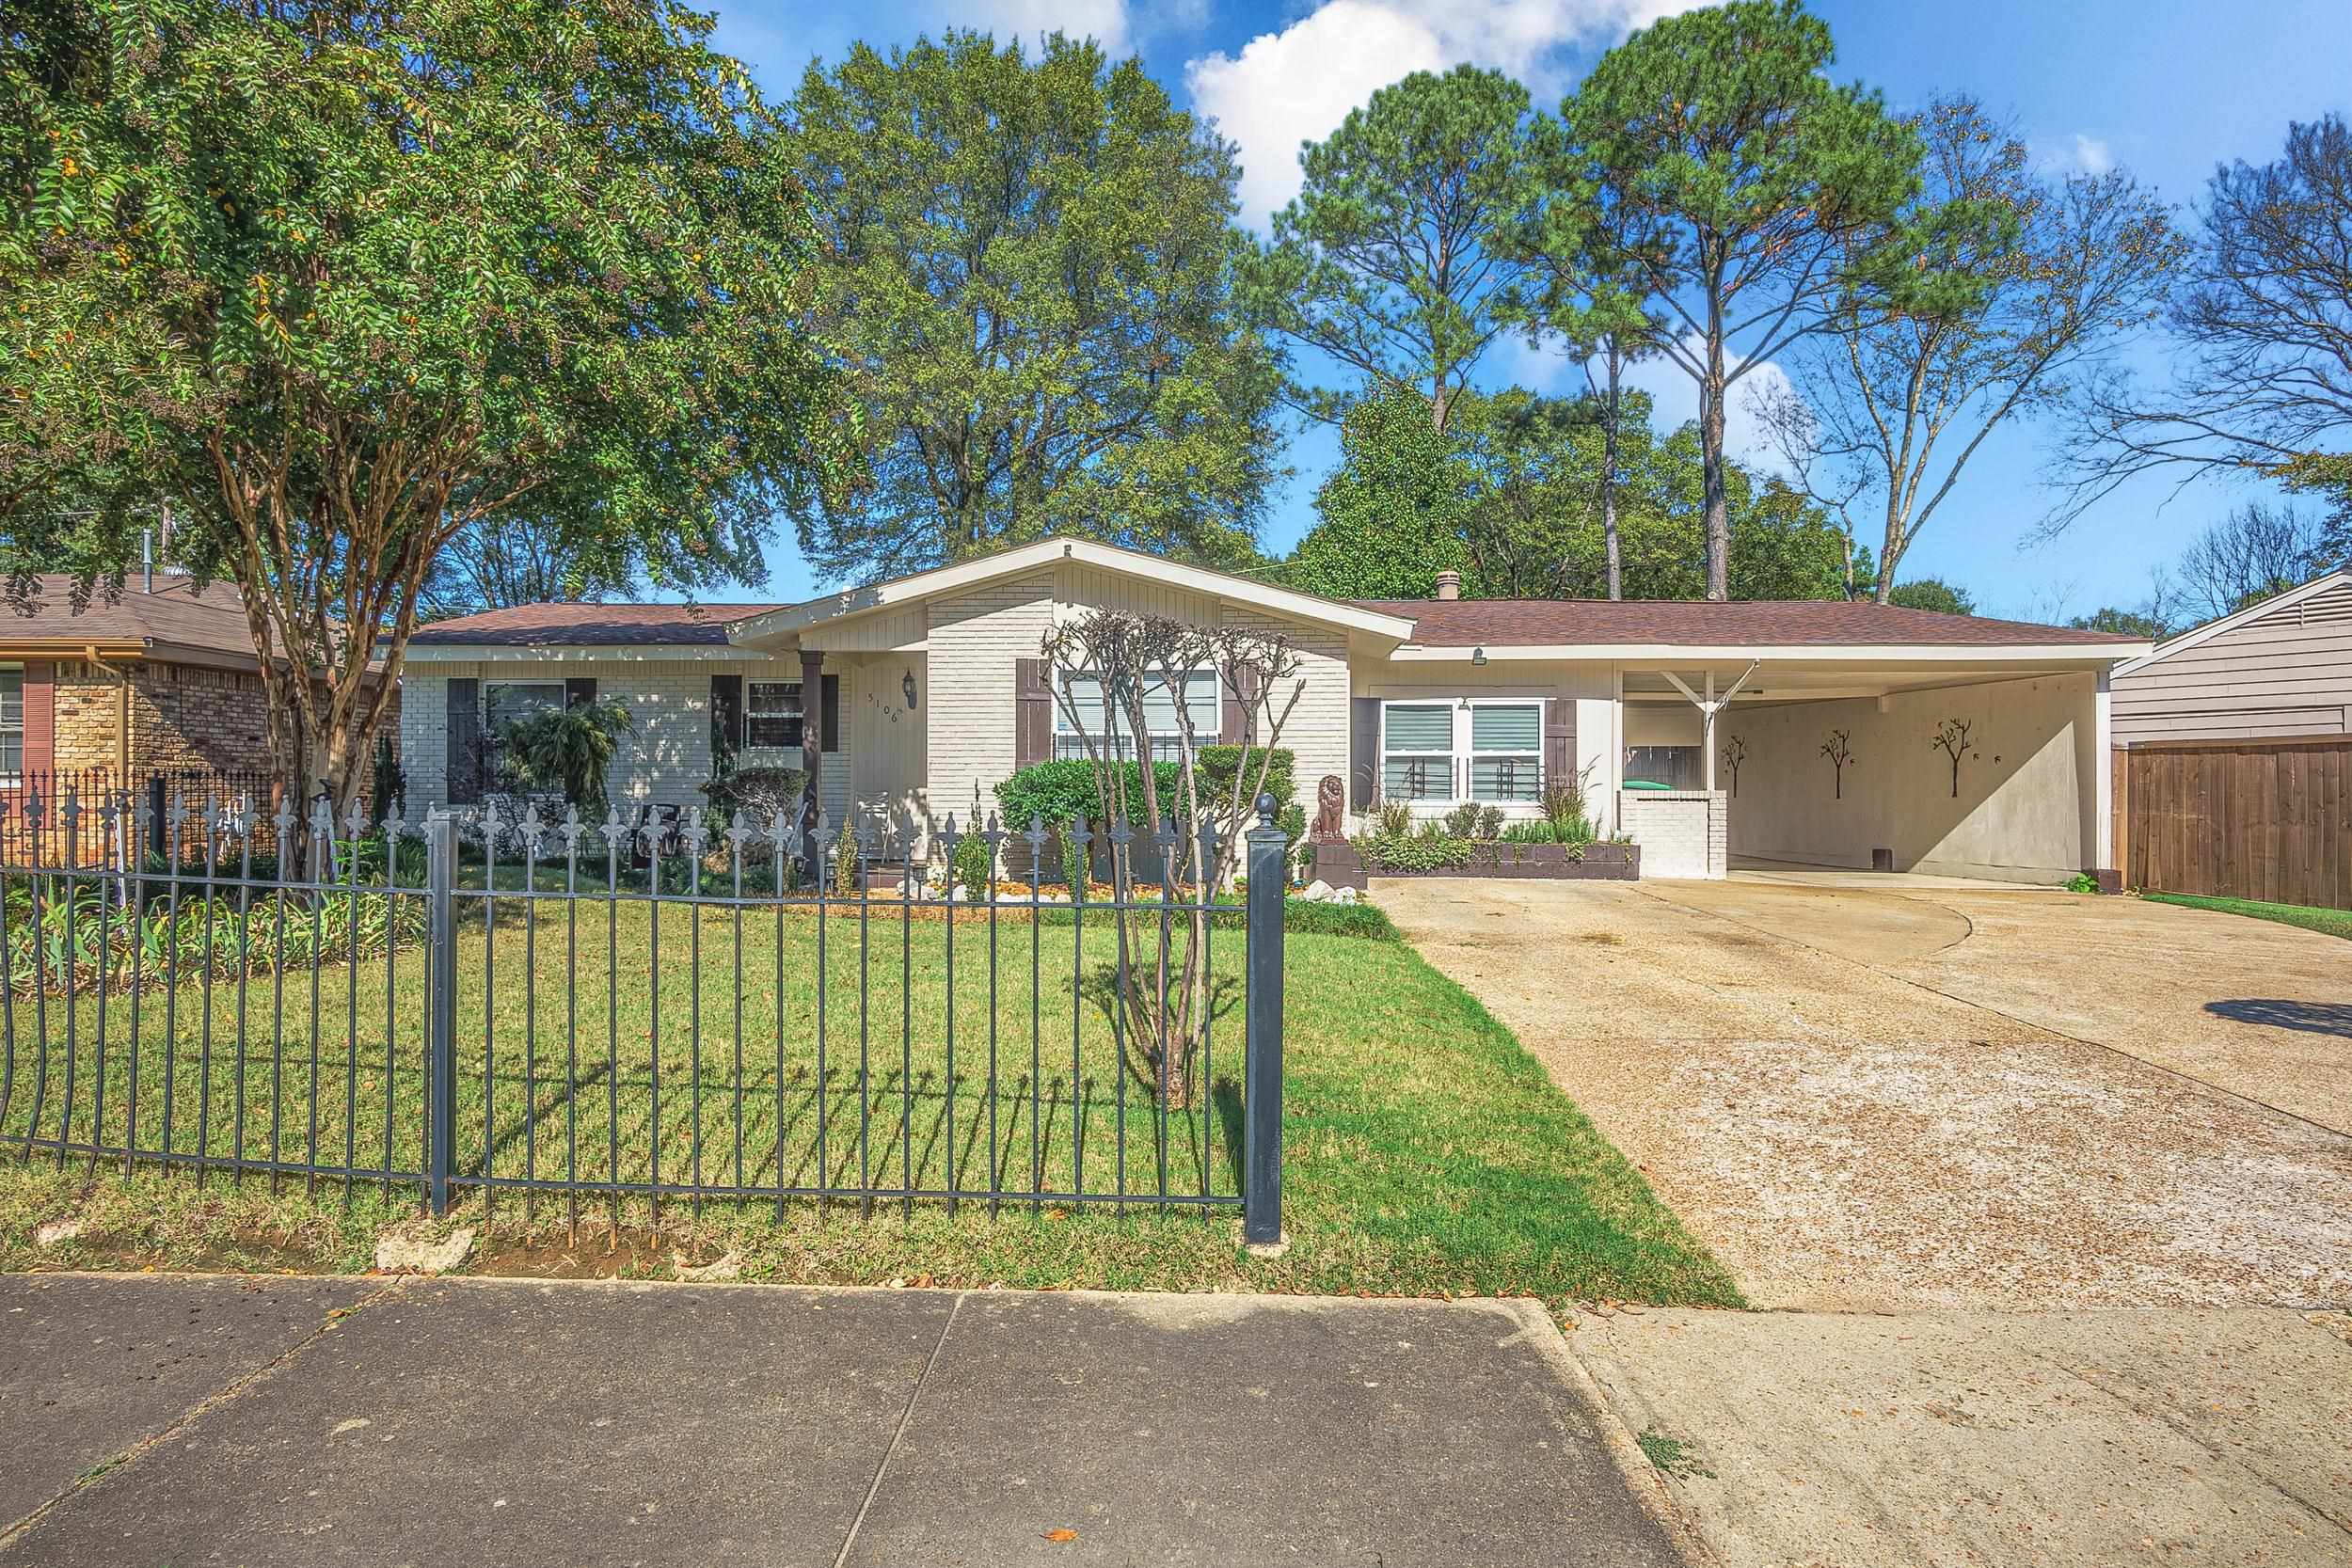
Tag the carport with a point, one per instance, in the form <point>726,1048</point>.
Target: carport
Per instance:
<point>1975,763</point>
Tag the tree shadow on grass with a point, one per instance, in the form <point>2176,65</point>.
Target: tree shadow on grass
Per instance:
<point>2311,1018</point>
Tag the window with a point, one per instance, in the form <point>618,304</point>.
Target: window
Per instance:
<point>772,714</point>
<point>508,700</point>
<point>11,721</point>
<point>1417,752</point>
<point>1473,749</point>
<point>1506,751</point>
<point>1203,698</point>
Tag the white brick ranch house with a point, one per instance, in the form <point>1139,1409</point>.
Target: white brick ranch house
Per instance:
<point>911,696</point>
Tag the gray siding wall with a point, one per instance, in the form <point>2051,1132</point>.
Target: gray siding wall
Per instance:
<point>2284,673</point>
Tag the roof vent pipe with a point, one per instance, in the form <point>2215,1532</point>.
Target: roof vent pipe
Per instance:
<point>146,556</point>
<point>1449,585</point>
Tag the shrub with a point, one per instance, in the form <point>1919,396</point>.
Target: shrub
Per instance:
<point>973,866</point>
<point>758,793</point>
<point>568,749</point>
<point>1060,791</point>
<point>1392,820</point>
<point>1429,849</point>
<point>388,785</point>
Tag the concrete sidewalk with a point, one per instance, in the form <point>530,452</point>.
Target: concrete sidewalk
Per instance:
<point>2221,1439</point>
<point>160,1420</point>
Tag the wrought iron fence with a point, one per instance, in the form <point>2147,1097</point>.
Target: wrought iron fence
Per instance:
<point>559,1010</point>
<point>247,791</point>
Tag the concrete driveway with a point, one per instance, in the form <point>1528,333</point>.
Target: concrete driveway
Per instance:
<point>1942,1097</point>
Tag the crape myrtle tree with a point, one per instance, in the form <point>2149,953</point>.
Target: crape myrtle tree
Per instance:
<point>344,280</point>
<point>1197,836</point>
<point>1392,261</point>
<point>1747,181</point>
<point>1888,403</point>
<point>1027,268</point>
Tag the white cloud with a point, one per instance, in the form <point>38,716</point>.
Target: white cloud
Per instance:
<point>1295,86</point>
<point>2080,154</point>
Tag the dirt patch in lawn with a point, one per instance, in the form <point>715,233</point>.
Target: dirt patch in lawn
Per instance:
<point>1844,1135</point>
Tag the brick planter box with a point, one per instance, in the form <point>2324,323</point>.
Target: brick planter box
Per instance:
<point>1341,866</point>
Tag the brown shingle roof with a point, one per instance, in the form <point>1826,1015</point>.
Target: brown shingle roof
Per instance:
<point>593,625</point>
<point>1698,623</point>
<point>177,613</point>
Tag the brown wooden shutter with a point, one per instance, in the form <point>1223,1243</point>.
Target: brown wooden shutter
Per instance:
<point>830,701</point>
<point>1559,741</point>
<point>1032,713</point>
<point>463,785</point>
<point>579,690</point>
<point>1238,703</point>
<point>1363,749</point>
<point>727,710</point>
<point>40,716</point>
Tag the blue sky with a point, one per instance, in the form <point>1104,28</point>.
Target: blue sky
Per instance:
<point>2164,88</point>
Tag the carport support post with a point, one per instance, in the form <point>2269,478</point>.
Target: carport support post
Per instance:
<point>440,1008</point>
<point>1261,1065</point>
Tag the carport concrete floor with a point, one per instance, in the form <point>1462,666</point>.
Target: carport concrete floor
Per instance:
<point>1958,1135</point>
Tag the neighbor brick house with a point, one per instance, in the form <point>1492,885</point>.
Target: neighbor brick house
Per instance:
<point>128,682</point>
<point>159,677</point>
<point>913,698</point>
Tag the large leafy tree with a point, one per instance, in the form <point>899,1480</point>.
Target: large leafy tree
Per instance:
<point>343,281</point>
<point>1888,404</point>
<point>1510,495</point>
<point>1028,266</point>
<point>1749,181</point>
<point>1392,263</point>
<point>2260,377</point>
<point>1394,513</point>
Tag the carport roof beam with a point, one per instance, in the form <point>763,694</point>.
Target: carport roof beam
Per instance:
<point>1708,707</point>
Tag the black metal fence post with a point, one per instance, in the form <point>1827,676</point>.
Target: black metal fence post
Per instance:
<point>440,1041</point>
<point>1262,1069</point>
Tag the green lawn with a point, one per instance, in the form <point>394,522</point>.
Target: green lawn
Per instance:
<point>1425,1151</point>
<point>2334,922</point>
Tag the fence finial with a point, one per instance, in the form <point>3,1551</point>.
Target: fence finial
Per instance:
<point>1265,809</point>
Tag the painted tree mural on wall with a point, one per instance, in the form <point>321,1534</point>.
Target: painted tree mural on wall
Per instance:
<point>1951,738</point>
<point>1840,751</point>
<point>1735,753</point>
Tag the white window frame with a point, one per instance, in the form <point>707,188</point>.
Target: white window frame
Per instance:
<point>1452,706</point>
<point>1466,740</point>
<point>1205,733</point>
<point>752,713</point>
<point>1461,756</point>
<point>7,774</point>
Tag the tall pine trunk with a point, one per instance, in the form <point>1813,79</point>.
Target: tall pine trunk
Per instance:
<point>1609,416</point>
<point>1711,452</point>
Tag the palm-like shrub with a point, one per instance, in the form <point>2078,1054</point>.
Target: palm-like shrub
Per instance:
<point>570,748</point>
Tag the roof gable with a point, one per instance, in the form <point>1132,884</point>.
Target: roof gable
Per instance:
<point>1024,559</point>
<point>2320,596</point>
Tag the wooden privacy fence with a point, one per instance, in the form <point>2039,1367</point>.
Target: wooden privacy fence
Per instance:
<point>2269,819</point>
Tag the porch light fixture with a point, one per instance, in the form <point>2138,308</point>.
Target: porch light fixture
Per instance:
<point>1478,656</point>
<point>906,684</point>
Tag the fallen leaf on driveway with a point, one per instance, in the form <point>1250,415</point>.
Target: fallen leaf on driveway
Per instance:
<point>1063,1534</point>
